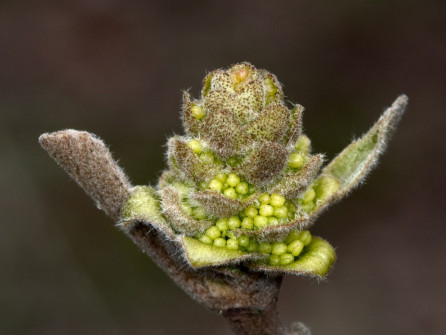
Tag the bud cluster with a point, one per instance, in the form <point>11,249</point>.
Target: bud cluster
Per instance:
<point>279,253</point>
<point>243,182</point>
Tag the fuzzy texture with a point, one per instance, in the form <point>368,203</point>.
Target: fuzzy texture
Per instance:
<point>88,161</point>
<point>240,127</point>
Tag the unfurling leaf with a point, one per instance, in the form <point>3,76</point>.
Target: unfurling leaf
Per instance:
<point>316,261</point>
<point>199,254</point>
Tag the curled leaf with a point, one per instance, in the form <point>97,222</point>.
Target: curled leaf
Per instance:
<point>199,254</point>
<point>353,164</point>
<point>316,261</point>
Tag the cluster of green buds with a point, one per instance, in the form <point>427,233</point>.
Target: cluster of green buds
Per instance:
<point>280,253</point>
<point>243,185</point>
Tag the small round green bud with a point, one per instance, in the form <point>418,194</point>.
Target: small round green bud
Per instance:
<point>213,232</point>
<point>205,239</point>
<point>264,198</point>
<point>215,185</point>
<point>197,111</point>
<point>207,157</point>
<point>242,188</point>
<point>308,196</point>
<point>234,222</point>
<point>232,244</point>
<point>230,193</point>
<point>265,248</point>
<point>296,160</point>
<point>286,259</point>
<point>274,260</point>
<point>303,145</point>
<point>294,235</point>
<point>220,242</point>
<point>260,221</point>
<point>266,210</point>
<point>199,213</point>
<point>305,237</point>
<point>222,224</point>
<point>195,145</point>
<point>248,223</point>
<point>233,180</point>
<point>233,161</point>
<point>251,211</point>
<point>272,221</point>
<point>251,189</point>
<point>279,248</point>
<point>290,206</point>
<point>277,200</point>
<point>243,241</point>
<point>187,209</point>
<point>221,177</point>
<point>281,212</point>
<point>326,186</point>
<point>295,247</point>
<point>253,246</point>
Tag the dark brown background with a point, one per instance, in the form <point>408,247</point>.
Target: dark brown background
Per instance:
<point>116,68</point>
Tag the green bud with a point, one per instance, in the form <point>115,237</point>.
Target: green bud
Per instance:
<point>286,259</point>
<point>230,193</point>
<point>233,180</point>
<point>234,222</point>
<point>215,185</point>
<point>272,221</point>
<point>220,242</point>
<point>264,198</point>
<point>279,248</point>
<point>207,157</point>
<point>243,241</point>
<point>242,188</point>
<point>277,200</point>
<point>281,212</point>
<point>251,211</point>
<point>295,247</point>
<point>248,223</point>
<point>232,244</point>
<point>197,111</point>
<point>274,260</point>
<point>206,239</point>
<point>296,160</point>
<point>221,177</point>
<point>265,248</point>
<point>303,145</point>
<point>213,232</point>
<point>260,221</point>
<point>266,210</point>
<point>253,246</point>
<point>222,224</point>
<point>195,145</point>
<point>199,213</point>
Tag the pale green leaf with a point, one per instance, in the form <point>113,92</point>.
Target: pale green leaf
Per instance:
<point>353,164</point>
<point>200,254</point>
<point>316,260</point>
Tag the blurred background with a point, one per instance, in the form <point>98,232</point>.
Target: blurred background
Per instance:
<point>117,68</point>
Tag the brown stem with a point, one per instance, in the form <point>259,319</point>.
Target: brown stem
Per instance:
<point>248,321</point>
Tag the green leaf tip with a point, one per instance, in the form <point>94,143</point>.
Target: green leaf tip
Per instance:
<point>355,161</point>
<point>316,261</point>
<point>351,166</point>
<point>144,206</point>
<point>199,254</point>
